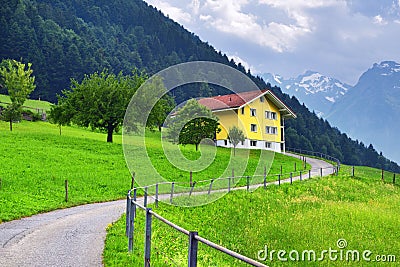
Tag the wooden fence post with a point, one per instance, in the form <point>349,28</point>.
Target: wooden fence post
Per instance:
<point>193,247</point>
<point>191,179</point>
<point>281,169</point>
<point>352,172</point>
<point>133,180</point>
<point>394,178</point>
<point>210,188</point>
<point>66,190</point>
<point>309,174</point>
<point>191,189</point>
<point>383,175</point>
<point>291,178</point>
<point>279,179</point>
<point>248,183</point>
<point>295,167</point>
<point>128,208</point>
<point>321,172</point>
<point>145,197</point>
<point>265,177</point>
<point>156,195</point>
<point>147,248</point>
<point>301,175</point>
<point>172,192</point>
<point>131,227</point>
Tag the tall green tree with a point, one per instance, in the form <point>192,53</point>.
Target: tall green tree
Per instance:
<point>17,79</point>
<point>191,124</point>
<point>60,115</point>
<point>100,100</point>
<point>235,136</point>
<point>162,107</point>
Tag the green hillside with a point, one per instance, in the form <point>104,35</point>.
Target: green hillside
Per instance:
<point>310,215</point>
<point>36,161</point>
<point>68,39</point>
<point>30,104</point>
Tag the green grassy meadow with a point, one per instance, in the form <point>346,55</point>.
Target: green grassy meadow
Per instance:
<point>309,215</point>
<point>30,104</point>
<point>35,161</point>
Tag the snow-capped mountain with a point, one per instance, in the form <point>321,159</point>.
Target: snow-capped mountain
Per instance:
<point>317,91</point>
<point>370,111</point>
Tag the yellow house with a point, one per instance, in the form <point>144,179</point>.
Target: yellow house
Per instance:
<point>259,114</point>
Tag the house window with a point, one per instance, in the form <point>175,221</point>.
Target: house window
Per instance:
<point>253,143</point>
<point>268,144</point>
<point>253,112</point>
<point>262,99</point>
<point>226,142</point>
<point>253,128</point>
<point>271,130</point>
<point>271,115</point>
<point>242,111</point>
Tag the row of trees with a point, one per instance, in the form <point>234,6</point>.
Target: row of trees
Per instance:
<point>100,102</point>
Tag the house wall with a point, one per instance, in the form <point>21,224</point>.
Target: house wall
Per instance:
<point>230,118</point>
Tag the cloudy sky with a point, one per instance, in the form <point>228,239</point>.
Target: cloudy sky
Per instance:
<point>339,38</point>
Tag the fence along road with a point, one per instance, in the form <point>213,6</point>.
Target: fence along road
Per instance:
<point>73,236</point>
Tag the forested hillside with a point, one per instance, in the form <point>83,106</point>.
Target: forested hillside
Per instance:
<point>67,39</point>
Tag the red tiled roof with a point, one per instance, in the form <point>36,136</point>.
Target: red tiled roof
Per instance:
<point>230,101</point>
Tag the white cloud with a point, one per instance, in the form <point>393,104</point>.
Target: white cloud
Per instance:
<point>237,59</point>
<point>339,37</point>
<point>379,20</point>
<point>175,13</point>
<point>228,16</point>
<point>296,4</point>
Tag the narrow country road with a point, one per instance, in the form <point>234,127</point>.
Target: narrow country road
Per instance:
<point>69,237</point>
<point>75,236</point>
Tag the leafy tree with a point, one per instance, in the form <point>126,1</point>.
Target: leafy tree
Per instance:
<point>19,84</point>
<point>191,124</point>
<point>235,136</point>
<point>163,106</point>
<point>59,115</point>
<point>99,101</point>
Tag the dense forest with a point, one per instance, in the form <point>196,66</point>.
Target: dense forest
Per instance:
<point>67,39</point>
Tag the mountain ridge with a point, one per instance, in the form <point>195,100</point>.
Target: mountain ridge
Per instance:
<point>318,91</point>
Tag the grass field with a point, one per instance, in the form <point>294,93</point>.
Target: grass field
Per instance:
<point>310,215</point>
<point>32,105</point>
<point>35,161</point>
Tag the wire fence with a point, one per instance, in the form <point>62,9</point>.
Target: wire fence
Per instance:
<point>173,191</point>
<point>378,174</point>
<point>302,152</point>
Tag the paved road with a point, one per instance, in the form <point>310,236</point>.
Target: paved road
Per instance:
<point>72,237</point>
<point>69,237</point>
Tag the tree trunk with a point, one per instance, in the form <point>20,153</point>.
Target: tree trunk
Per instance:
<point>110,130</point>
<point>11,125</point>
<point>197,147</point>
<point>60,128</point>
<point>159,128</point>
